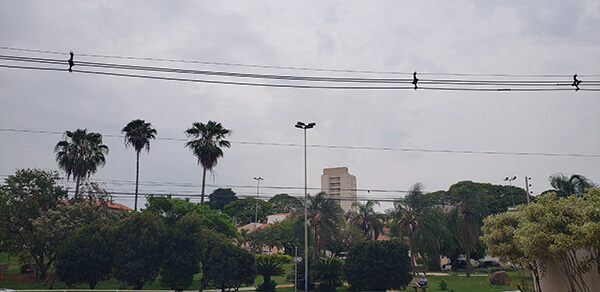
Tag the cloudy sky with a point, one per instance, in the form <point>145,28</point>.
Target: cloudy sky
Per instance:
<point>509,40</point>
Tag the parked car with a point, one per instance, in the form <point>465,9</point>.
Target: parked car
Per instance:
<point>458,265</point>
<point>489,264</point>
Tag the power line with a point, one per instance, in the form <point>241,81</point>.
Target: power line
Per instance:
<point>374,83</point>
<point>447,151</point>
<point>284,67</point>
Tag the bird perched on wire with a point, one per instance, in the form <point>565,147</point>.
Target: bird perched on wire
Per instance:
<point>415,80</point>
<point>71,63</point>
<point>576,82</point>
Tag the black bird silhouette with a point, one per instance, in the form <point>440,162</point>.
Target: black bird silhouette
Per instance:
<point>575,82</point>
<point>71,63</point>
<point>415,80</point>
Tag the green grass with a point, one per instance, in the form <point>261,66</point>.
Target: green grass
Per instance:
<point>479,282</point>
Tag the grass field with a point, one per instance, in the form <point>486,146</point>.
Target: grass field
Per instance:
<point>479,282</point>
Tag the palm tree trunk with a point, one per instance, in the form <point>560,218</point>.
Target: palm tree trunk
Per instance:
<point>468,254</point>
<point>411,242</point>
<point>77,182</point>
<point>137,176</point>
<point>203,185</point>
<point>316,249</point>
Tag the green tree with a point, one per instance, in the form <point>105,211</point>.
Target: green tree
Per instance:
<point>183,249</point>
<point>365,218</point>
<point>138,249</point>
<point>228,267</point>
<point>328,272</point>
<point>221,197</point>
<point>324,216</point>
<point>406,216</point>
<point>566,186</point>
<point>56,225</point>
<point>472,207</point>
<point>348,236</point>
<point>286,234</point>
<point>208,139</point>
<point>433,232</point>
<point>244,210</point>
<point>138,134</point>
<point>171,210</point>
<point>284,203</point>
<point>268,266</point>
<point>551,231</point>
<point>26,196</point>
<point>87,256</point>
<point>80,154</point>
<point>499,236</point>
<point>378,266</point>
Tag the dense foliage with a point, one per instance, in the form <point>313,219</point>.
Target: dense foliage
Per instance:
<point>552,230</point>
<point>378,266</point>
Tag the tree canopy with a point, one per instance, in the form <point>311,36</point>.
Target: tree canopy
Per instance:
<point>244,210</point>
<point>221,197</point>
<point>80,154</point>
<point>207,141</point>
<point>284,203</point>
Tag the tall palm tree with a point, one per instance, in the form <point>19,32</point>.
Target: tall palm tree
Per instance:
<point>206,146</point>
<point>324,215</point>
<point>80,154</point>
<point>138,134</point>
<point>567,186</point>
<point>366,219</point>
<point>406,215</point>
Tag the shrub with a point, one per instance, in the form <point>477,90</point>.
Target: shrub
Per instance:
<point>444,284</point>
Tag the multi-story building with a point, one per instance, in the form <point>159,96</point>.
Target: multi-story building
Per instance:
<point>339,185</point>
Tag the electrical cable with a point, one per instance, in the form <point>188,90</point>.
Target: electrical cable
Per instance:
<point>475,85</point>
<point>345,147</point>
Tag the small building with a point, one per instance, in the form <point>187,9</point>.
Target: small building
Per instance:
<point>277,217</point>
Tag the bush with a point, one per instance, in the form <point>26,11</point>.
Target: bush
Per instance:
<point>444,284</point>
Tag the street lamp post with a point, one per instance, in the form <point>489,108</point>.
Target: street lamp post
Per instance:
<point>510,179</point>
<point>258,179</point>
<point>303,126</point>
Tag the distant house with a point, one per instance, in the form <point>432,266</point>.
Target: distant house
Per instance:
<point>277,217</point>
<point>110,205</point>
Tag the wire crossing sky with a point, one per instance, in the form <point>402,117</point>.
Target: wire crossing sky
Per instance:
<point>543,82</point>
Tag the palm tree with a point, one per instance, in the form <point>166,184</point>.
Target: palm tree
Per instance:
<point>567,186</point>
<point>80,154</point>
<point>324,217</point>
<point>366,219</point>
<point>206,146</point>
<point>406,216</point>
<point>472,205</point>
<point>138,134</point>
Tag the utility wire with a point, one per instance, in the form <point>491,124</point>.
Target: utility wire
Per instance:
<point>285,67</point>
<point>344,147</point>
<point>374,83</point>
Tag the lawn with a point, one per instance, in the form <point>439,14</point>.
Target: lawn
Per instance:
<point>479,282</point>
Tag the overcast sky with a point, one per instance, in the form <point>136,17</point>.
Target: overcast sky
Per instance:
<point>548,37</point>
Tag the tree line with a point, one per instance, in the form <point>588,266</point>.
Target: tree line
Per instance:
<point>42,223</point>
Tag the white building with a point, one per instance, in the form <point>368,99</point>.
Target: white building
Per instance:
<point>339,185</point>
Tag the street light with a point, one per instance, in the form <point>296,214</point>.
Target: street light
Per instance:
<point>510,179</point>
<point>258,179</point>
<point>303,126</point>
